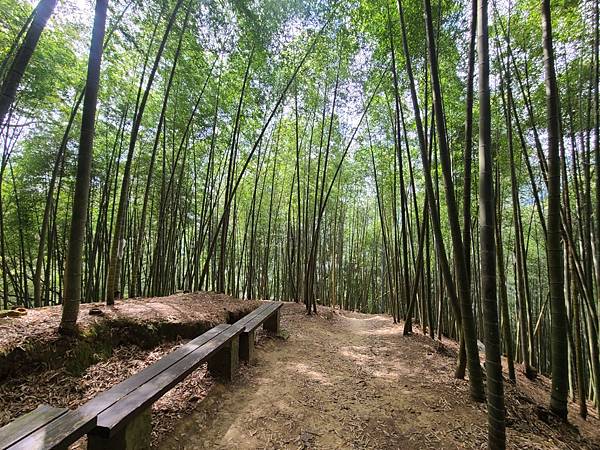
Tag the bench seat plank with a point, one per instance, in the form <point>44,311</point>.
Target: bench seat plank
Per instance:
<point>27,423</point>
<point>114,418</point>
<point>252,315</point>
<point>59,433</point>
<point>112,395</point>
<point>260,314</point>
<point>256,321</point>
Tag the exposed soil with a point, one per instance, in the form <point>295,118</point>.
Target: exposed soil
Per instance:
<point>32,344</point>
<point>351,381</point>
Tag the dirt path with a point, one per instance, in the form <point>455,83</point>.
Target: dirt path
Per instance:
<point>348,381</point>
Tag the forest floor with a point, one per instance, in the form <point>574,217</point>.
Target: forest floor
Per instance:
<point>343,380</point>
<point>338,380</point>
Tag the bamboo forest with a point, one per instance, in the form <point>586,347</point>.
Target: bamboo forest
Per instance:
<point>353,224</point>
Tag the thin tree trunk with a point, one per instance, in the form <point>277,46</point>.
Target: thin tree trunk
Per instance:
<point>72,277</point>
<point>468,322</point>
<point>493,366</point>
<point>560,367</point>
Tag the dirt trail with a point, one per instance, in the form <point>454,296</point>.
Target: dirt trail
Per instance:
<point>349,381</point>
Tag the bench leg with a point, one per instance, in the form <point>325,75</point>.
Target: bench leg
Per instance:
<point>272,323</point>
<point>247,347</point>
<point>135,435</point>
<point>224,363</point>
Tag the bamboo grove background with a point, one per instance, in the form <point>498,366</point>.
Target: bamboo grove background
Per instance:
<point>212,172</point>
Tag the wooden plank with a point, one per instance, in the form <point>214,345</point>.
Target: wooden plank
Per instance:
<point>28,423</point>
<point>114,418</point>
<point>59,433</point>
<point>256,312</point>
<point>71,426</point>
<point>255,322</point>
<point>261,314</point>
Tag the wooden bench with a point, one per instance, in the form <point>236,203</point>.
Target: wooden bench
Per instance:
<point>120,417</point>
<point>67,428</point>
<point>126,423</point>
